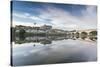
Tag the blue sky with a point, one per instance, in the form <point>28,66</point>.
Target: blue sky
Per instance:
<point>62,16</point>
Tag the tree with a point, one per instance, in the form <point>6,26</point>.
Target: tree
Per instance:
<point>77,34</point>
<point>93,35</point>
<point>22,34</point>
<point>83,35</point>
<point>12,34</point>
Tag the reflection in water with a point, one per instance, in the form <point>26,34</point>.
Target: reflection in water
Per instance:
<point>31,50</point>
<point>42,40</point>
<point>46,40</point>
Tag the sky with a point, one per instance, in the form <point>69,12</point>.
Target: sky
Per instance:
<point>60,16</point>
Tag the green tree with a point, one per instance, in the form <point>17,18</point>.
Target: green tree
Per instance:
<point>12,34</point>
<point>83,35</point>
<point>22,34</point>
<point>93,35</point>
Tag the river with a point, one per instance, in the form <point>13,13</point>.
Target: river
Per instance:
<point>59,50</point>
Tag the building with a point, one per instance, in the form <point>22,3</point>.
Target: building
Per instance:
<point>57,31</point>
<point>46,27</point>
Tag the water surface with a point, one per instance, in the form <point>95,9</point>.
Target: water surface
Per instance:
<point>54,51</point>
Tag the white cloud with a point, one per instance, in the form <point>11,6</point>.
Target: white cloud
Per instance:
<point>20,15</point>
<point>63,19</point>
<point>25,24</point>
<point>28,17</point>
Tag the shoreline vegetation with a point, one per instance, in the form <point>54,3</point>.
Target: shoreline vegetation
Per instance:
<point>47,31</point>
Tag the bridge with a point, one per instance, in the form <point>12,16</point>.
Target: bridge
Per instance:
<point>87,30</point>
<point>83,34</point>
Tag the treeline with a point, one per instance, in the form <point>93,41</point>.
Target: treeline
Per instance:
<point>39,34</point>
<point>22,33</point>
